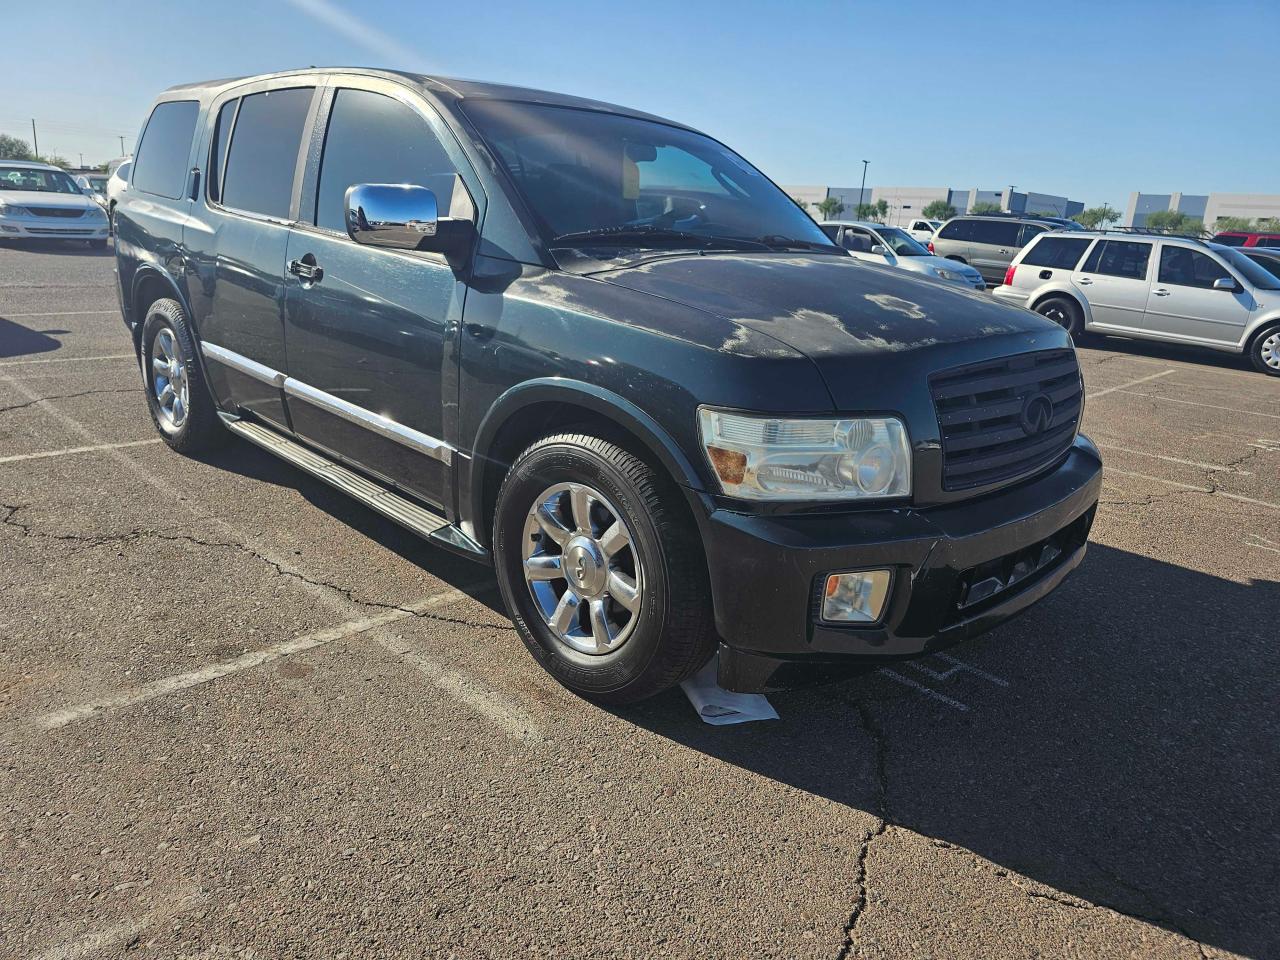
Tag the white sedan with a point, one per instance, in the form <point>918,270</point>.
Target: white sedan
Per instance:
<point>42,202</point>
<point>876,243</point>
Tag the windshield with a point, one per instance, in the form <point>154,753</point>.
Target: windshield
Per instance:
<point>98,183</point>
<point>901,242</point>
<point>41,181</point>
<point>598,178</point>
<point>1255,274</point>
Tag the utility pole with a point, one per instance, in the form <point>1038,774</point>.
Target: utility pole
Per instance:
<point>862,190</point>
<point>122,146</point>
<point>35,141</point>
<point>82,161</point>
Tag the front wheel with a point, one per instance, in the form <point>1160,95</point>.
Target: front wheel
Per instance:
<point>1264,351</point>
<point>601,569</point>
<point>1065,313</point>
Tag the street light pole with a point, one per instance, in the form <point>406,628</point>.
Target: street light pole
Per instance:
<point>35,141</point>
<point>862,190</point>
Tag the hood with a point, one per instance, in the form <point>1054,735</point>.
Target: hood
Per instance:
<point>926,264</point>
<point>864,326</point>
<point>41,198</point>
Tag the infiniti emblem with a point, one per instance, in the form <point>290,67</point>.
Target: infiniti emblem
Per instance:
<point>1037,414</point>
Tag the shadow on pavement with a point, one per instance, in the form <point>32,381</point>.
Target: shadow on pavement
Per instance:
<point>18,341</point>
<point>63,248</point>
<point>1133,760</point>
<point>1155,350</point>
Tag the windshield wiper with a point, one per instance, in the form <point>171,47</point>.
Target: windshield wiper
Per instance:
<point>625,234</point>
<point>777,242</point>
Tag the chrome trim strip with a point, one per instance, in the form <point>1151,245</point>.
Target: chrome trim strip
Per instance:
<point>235,361</point>
<point>379,424</point>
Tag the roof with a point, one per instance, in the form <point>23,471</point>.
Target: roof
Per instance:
<point>868,224</point>
<point>441,86</point>
<point>30,164</point>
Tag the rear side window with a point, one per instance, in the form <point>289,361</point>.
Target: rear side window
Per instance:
<point>1029,232</point>
<point>995,232</point>
<point>1190,268</point>
<point>957,230</point>
<point>377,139</point>
<point>1229,241</point>
<point>218,150</point>
<point>161,167</point>
<point>1062,253</point>
<point>830,231</point>
<point>1119,258</point>
<point>264,152</point>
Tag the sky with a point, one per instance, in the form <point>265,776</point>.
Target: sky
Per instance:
<point>1092,100</point>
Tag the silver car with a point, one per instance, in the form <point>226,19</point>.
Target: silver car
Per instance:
<point>876,243</point>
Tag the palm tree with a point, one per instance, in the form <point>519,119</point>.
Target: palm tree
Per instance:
<point>830,208</point>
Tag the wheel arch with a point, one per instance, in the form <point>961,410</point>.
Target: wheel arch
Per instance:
<point>149,285</point>
<point>1262,326</point>
<point>535,408</point>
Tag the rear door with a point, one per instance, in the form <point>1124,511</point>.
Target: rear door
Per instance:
<point>992,247</point>
<point>1184,303</point>
<point>370,330</point>
<point>237,245</point>
<point>1115,279</point>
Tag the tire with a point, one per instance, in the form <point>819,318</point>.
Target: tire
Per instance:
<point>1264,350</point>
<point>668,634</point>
<point>1065,312</point>
<point>167,341</point>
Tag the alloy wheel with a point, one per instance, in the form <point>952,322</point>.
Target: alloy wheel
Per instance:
<point>169,380</point>
<point>582,568</point>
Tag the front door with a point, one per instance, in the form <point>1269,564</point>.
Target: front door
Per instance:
<point>368,330</point>
<point>236,244</point>
<point>1115,280</point>
<point>1185,304</point>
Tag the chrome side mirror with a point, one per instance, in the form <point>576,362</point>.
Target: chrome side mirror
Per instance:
<point>1225,283</point>
<point>880,248</point>
<point>397,216</point>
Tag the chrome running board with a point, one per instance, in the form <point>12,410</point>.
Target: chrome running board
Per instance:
<point>391,505</point>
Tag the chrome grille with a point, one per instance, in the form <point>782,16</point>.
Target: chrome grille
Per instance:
<point>1003,419</point>
<point>65,212</point>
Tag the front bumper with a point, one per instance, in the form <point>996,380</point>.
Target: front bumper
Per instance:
<point>53,228</point>
<point>767,571</point>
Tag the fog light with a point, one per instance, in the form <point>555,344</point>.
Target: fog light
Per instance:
<point>8,229</point>
<point>856,597</point>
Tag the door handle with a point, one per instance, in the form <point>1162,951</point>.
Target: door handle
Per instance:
<point>1084,281</point>
<point>306,269</point>
<point>1161,292</point>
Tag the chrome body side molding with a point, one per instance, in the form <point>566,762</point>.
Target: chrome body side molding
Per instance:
<point>413,439</point>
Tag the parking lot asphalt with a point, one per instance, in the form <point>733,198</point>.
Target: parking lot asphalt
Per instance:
<point>242,715</point>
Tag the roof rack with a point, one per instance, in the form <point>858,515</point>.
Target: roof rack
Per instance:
<point>1202,237</point>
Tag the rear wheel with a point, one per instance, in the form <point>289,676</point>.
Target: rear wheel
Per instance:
<point>1065,312</point>
<point>601,570</point>
<point>1264,351</point>
<point>177,396</point>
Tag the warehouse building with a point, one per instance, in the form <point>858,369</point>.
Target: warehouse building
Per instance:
<point>907,202</point>
<point>1206,207</point>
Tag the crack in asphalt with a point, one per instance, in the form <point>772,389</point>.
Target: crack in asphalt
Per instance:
<point>10,519</point>
<point>882,826</point>
<point>65,396</point>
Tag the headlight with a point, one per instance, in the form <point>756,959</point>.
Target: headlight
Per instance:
<point>9,210</point>
<point>765,458</point>
<point>947,274</point>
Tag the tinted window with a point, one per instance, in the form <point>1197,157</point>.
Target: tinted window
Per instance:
<point>1269,264</point>
<point>160,166</point>
<point>1227,240</point>
<point>859,241</point>
<point>376,139</point>
<point>957,230</point>
<point>997,232</point>
<point>1119,258</point>
<point>218,152</point>
<point>830,231</point>
<point>1060,252</point>
<point>1029,232</point>
<point>264,152</point>
<point>1189,268</point>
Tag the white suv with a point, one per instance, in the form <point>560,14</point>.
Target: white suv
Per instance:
<point>1177,289</point>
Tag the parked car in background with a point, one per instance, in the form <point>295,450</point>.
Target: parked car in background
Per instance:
<point>1176,289</point>
<point>1245,238</point>
<point>41,202</point>
<point>1268,258</point>
<point>604,353</point>
<point>876,243</point>
<point>117,186</point>
<point>95,185</point>
<point>987,242</point>
<point>921,229</point>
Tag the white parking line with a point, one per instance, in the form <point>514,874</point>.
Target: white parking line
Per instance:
<point>921,688</point>
<point>1193,487</point>
<point>1193,403</point>
<point>1265,544</point>
<point>194,678</point>
<point>58,313</point>
<point>109,356</point>
<point>19,457</point>
<point>1185,366</point>
<point>1131,383</point>
<point>1160,456</point>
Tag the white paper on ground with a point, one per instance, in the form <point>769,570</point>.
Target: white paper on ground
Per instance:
<point>721,707</point>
